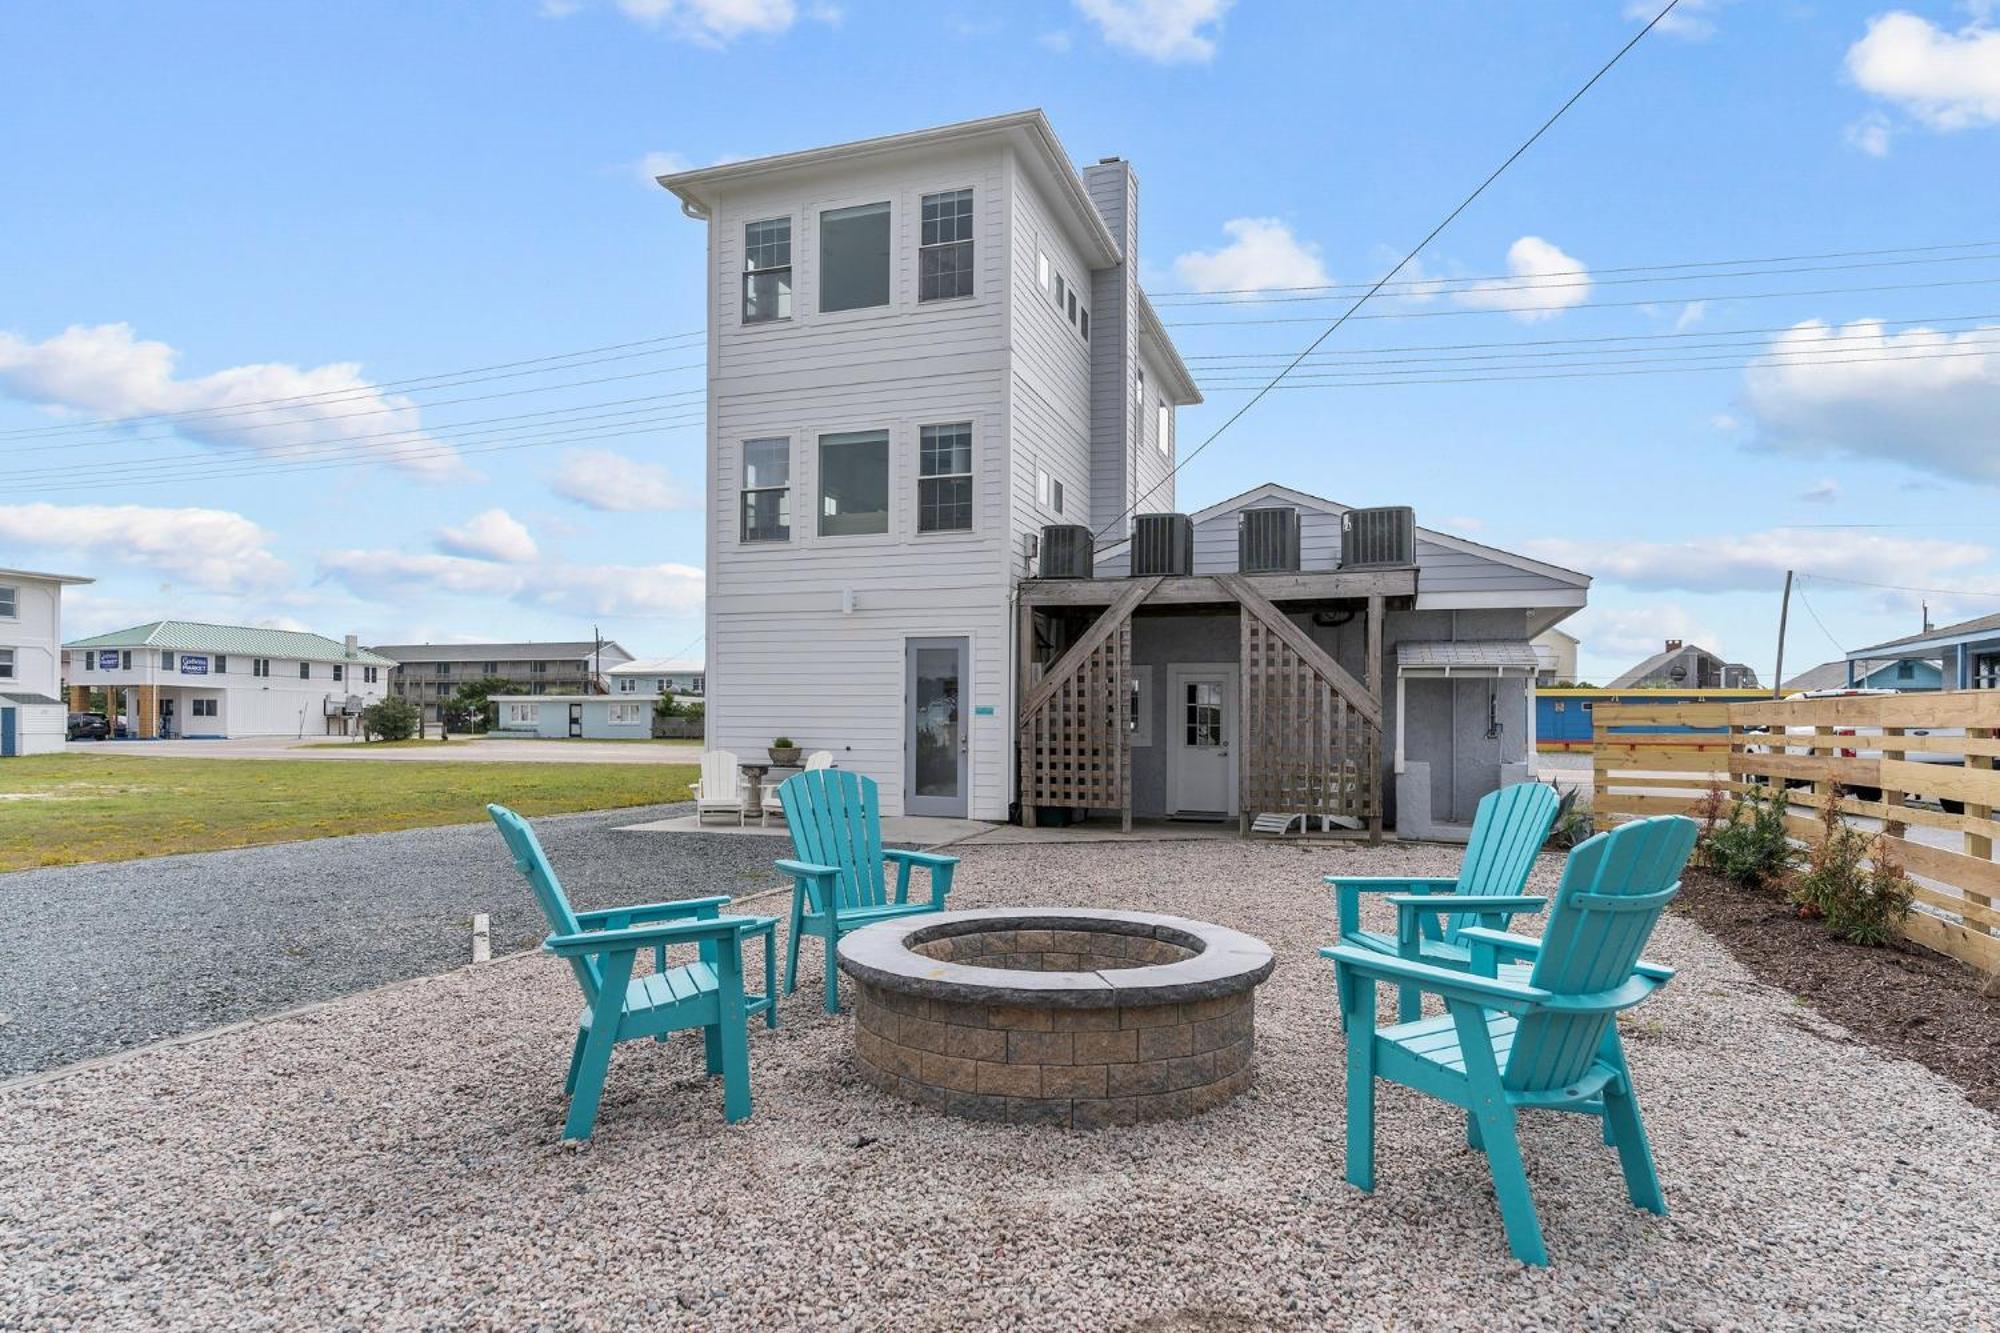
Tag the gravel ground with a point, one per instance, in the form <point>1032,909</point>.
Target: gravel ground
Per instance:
<point>391,1161</point>
<point>209,938</point>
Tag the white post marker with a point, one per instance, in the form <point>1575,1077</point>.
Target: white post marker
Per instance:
<point>482,942</point>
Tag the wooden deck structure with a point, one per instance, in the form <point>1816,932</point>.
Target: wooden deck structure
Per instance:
<point>1309,733</point>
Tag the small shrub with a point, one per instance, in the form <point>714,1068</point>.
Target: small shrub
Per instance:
<point>782,743</point>
<point>392,719</point>
<point>1749,848</point>
<point>1860,904</point>
<point>1573,821</point>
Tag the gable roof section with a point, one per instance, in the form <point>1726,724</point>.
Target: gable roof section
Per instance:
<point>1660,659</point>
<point>1941,637</point>
<point>1030,132</point>
<point>1272,492</point>
<point>194,637</point>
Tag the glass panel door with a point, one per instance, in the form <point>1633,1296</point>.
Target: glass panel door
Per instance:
<point>936,747</point>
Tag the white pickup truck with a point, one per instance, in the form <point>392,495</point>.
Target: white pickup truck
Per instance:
<point>1946,758</point>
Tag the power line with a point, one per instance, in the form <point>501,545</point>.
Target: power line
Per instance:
<point>1629,268</point>
<point>1594,305</point>
<point>1902,587</point>
<point>1497,375</point>
<point>1806,602</point>
<point>365,390</point>
<point>1574,346</point>
<point>1401,264</point>
<point>1517,282</point>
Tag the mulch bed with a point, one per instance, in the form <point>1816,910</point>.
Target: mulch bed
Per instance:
<point>1903,1000</point>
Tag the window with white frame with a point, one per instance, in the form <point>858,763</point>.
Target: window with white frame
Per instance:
<point>1083,324</point>
<point>1042,268</point>
<point>221,664</point>
<point>6,664</point>
<point>1055,494</point>
<point>626,715</point>
<point>1166,429</point>
<point>854,257</point>
<point>767,490</point>
<point>305,670</point>
<point>339,672</point>
<point>767,270</point>
<point>1139,706</point>
<point>369,675</point>
<point>524,714</point>
<point>854,483</point>
<point>628,685</point>
<point>166,660</point>
<point>944,478</point>
<point>201,708</point>
<point>10,602</point>
<point>944,250</point>
<point>1058,291</point>
<point>260,666</point>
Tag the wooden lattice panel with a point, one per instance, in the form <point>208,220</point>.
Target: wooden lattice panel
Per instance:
<point>1074,749</point>
<point>1307,750</point>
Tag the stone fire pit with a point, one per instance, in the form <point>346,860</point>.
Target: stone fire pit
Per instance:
<point>1065,1016</point>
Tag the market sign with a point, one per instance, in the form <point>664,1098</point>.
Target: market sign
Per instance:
<point>107,660</point>
<point>193,666</point>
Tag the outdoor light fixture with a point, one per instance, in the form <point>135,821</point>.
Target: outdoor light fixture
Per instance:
<point>847,601</point>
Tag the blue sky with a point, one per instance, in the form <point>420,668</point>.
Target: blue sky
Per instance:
<point>211,206</point>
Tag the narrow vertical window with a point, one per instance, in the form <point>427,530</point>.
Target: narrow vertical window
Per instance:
<point>767,270</point>
<point>767,490</point>
<point>1071,300</point>
<point>944,478</point>
<point>1083,324</point>
<point>1139,390</point>
<point>1166,430</point>
<point>1042,269</point>
<point>944,252</point>
<point>1057,293</point>
<point>1055,495</point>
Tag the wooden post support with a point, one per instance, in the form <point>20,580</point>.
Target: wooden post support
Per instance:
<point>1024,681</point>
<point>1374,682</point>
<point>147,724</point>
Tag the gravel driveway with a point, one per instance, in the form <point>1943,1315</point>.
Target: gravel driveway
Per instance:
<point>96,958</point>
<point>391,1161</point>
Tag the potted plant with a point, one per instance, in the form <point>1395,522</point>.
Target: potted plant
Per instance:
<point>784,750</point>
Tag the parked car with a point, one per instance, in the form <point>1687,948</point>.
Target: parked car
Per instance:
<point>1913,756</point>
<point>88,727</point>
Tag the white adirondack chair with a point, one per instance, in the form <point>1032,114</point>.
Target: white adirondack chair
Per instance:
<point>772,806</point>
<point>720,790</point>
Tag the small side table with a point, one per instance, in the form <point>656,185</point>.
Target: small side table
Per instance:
<point>753,790</point>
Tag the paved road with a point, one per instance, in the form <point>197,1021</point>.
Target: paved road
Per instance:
<point>484,750</point>
<point>96,958</point>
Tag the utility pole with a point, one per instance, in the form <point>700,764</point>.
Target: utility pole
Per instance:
<point>1784,614</point>
<point>596,657</point>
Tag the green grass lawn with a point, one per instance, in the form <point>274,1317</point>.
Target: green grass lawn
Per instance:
<point>62,809</point>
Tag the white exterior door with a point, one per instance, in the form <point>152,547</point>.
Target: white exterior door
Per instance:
<point>935,748</point>
<point>1201,743</point>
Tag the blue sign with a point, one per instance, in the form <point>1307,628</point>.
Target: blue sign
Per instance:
<point>108,660</point>
<point>982,710</point>
<point>193,666</point>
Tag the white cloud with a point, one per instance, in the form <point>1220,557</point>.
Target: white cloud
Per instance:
<point>210,548</point>
<point>718,22</point>
<point>1689,19</point>
<point>1872,134</point>
<point>1945,80</point>
<point>493,535</point>
<point>605,480</point>
<point>1922,397</point>
<point>652,166</point>
<point>1262,252</point>
<point>106,372</point>
<point>1171,32</point>
<point>1757,561</point>
<point>1824,491</point>
<point>1691,314</point>
<point>1627,635</point>
<point>605,590</point>
<point>1542,283</point>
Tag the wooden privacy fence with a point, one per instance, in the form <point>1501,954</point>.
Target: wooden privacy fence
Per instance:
<point>1870,754</point>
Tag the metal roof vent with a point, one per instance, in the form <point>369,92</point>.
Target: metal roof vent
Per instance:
<point>1385,536</point>
<point>1067,551</point>
<point>1162,544</point>
<point>1267,540</point>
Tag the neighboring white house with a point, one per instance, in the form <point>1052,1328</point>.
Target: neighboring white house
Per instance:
<point>1555,657</point>
<point>33,719</point>
<point>178,678</point>
<point>658,675</point>
<point>924,350</point>
<point>597,717</point>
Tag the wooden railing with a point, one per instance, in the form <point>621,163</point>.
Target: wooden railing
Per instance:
<point>1867,754</point>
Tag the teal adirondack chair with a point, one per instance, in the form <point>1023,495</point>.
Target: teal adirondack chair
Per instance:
<point>837,881</point>
<point>601,948</point>
<point>1547,1043</point>
<point>1508,829</point>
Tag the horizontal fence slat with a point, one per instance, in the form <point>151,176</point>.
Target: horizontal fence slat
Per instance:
<point>1930,708</point>
<point>1979,786</point>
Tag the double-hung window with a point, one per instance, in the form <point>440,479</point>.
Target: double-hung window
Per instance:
<point>767,270</point>
<point>854,257</point>
<point>944,478</point>
<point>854,483</point>
<point>221,664</point>
<point>337,671</point>
<point>305,670</point>
<point>166,661</point>
<point>368,675</point>
<point>10,602</point>
<point>6,664</point>
<point>767,490</point>
<point>260,666</point>
<point>944,254</point>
